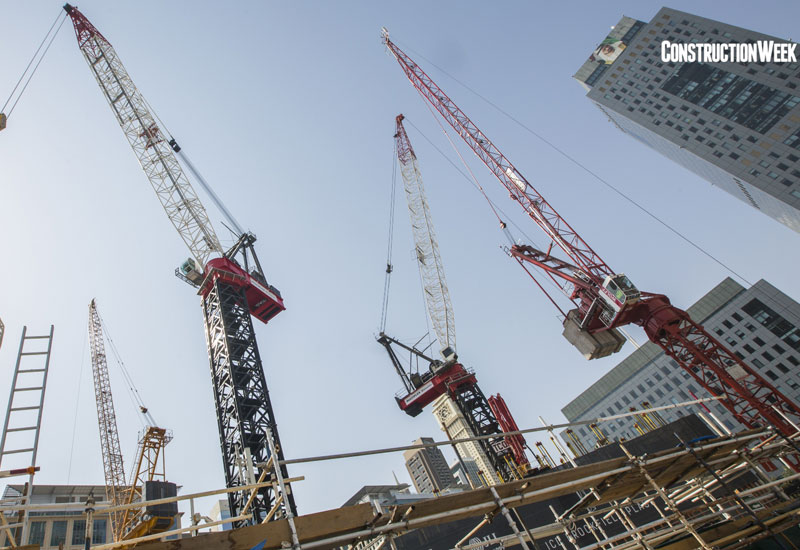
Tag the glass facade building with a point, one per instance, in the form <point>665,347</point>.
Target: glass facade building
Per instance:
<point>760,324</point>
<point>737,125</point>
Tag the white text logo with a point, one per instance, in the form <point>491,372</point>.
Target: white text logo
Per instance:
<point>763,51</point>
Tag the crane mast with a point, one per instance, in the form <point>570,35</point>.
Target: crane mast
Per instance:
<point>113,467</point>
<point>231,283</point>
<point>446,378</point>
<point>605,299</point>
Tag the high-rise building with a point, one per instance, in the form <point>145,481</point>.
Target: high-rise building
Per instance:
<point>760,324</point>
<point>428,468</point>
<point>736,125</point>
<point>65,528</point>
<point>466,473</point>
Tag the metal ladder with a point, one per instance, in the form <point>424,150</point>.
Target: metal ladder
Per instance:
<point>26,401</point>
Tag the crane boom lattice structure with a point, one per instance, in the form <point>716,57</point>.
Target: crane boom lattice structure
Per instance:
<point>437,296</point>
<point>151,147</point>
<point>605,299</point>
<point>113,466</point>
<point>445,377</point>
<point>231,284</point>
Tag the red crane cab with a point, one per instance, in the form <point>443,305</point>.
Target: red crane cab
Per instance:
<point>431,385</point>
<point>264,301</point>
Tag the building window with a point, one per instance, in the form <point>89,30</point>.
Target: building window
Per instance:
<point>748,348</point>
<point>757,363</point>
<point>739,99</point>
<point>79,531</point>
<point>99,531</point>
<point>58,533</point>
<point>778,348</point>
<point>771,374</point>
<point>759,342</point>
<point>793,361</point>
<point>36,534</point>
<point>781,367</point>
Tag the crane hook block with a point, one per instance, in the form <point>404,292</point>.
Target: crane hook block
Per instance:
<point>3,118</point>
<point>174,145</point>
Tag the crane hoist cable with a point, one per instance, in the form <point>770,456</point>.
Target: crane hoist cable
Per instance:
<point>389,267</point>
<point>583,167</point>
<point>133,391</point>
<point>496,208</point>
<point>30,72</point>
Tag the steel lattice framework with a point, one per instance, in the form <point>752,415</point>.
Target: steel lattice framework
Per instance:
<point>149,466</point>
<point>750,398</point>
<point>244,411</point>
<point>155,155</point>
<point>107,421</point>
<point>437,296</point>
<point>475,407</point>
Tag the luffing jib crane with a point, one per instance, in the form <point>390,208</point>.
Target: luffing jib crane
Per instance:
<point>605,299</point>
<point>147,480</point>
<point>447,376</point>
<point>231,283</point>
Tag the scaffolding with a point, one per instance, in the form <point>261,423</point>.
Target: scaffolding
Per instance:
<point>712,493</point>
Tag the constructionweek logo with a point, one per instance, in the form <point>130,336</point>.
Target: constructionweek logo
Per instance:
<point>762,51</point>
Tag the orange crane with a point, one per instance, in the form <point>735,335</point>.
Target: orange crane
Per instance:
<point>148,480</point>
<point>605,299</point>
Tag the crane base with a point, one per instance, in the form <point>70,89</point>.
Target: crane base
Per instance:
<point>591,346</point>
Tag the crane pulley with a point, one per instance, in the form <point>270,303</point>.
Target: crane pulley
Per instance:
<point>606,299</point>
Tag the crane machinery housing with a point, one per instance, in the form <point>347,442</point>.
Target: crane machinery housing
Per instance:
<point>446,377</point>
<point>231,283</point>
<point>148,479</point>
<point>604,299</point>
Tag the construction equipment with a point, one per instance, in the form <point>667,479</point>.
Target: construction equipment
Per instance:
<point>446,378</point>
<point>605,299</point>
<point>128,524</point>
<point>231,283</point>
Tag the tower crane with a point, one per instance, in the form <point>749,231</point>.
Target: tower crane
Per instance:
<point>148,479</point>
<point>604,299</point>
<point>231,284</point>
<point>447,376</point>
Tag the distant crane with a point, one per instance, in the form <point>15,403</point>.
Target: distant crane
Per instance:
<point>231,283</point>
<point>605,299</point>
<point>149,463</point>
<point>446,376</point>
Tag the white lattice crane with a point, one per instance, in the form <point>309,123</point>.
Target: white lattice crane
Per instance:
<point>446,378</point>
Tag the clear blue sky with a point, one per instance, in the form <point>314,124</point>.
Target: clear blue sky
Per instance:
<point>288,109</point>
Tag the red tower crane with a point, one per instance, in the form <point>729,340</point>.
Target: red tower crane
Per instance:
<point>605,299</point>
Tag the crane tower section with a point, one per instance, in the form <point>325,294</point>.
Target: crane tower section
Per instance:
<point>155,154</point>
<point>437,297</point>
